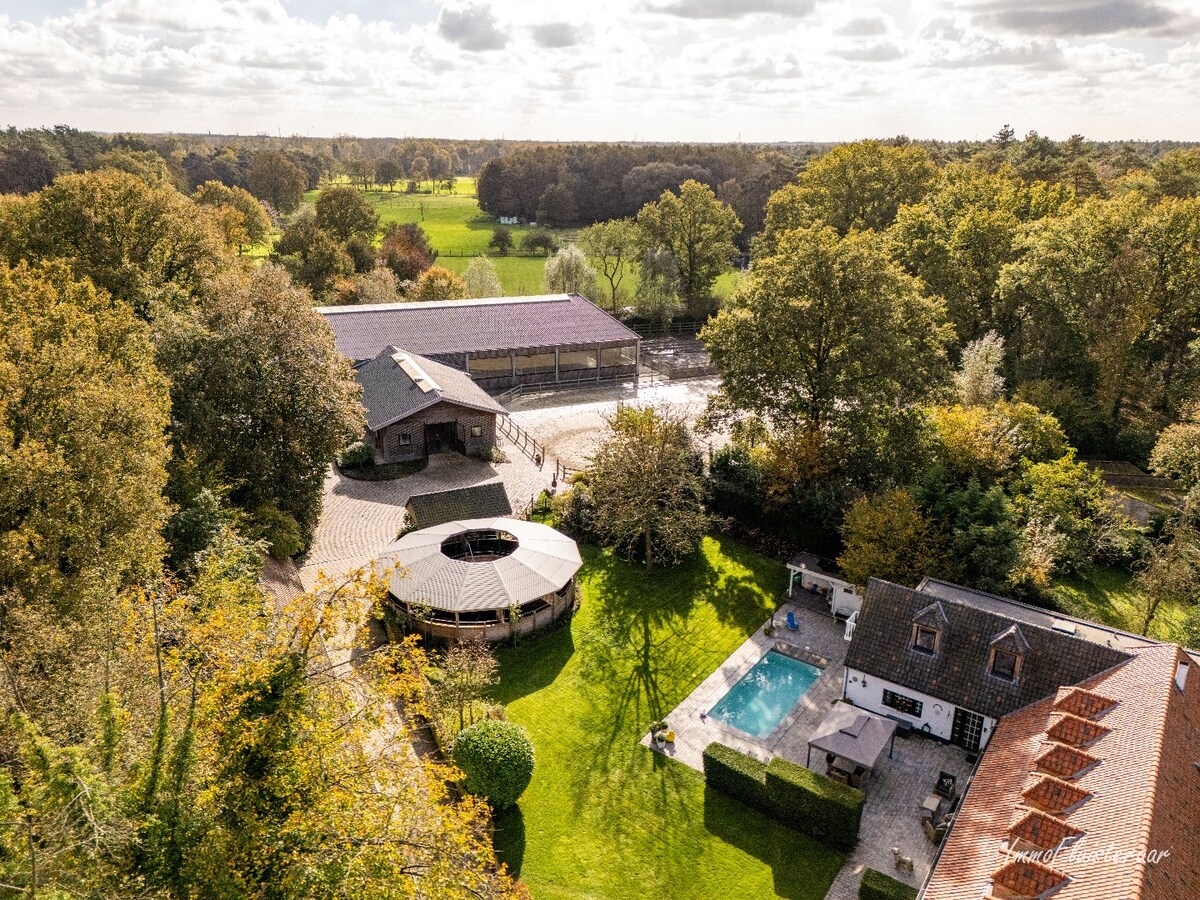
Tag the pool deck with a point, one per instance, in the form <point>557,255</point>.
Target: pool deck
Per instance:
<point>891,815</point>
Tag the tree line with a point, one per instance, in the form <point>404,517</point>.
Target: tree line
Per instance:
<point>168,411</point>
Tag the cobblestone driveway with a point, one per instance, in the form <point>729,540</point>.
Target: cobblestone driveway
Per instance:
<point>360,518</point>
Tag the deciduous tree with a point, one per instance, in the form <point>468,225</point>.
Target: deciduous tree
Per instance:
<point>344,213</point>
<point>568,272</point>
<point>275,179</point>
<point>481,279</point>
<point>827,337</point>
<point>647,485</point>
<point>437,283</point>
<point>699,230</point>
<point>887,536</point>
<point>145,244</point>
<point>244,220</point>
<point>259,393</point>
<point>612,246</point>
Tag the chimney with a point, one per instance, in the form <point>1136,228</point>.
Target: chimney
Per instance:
<point>1181,673</point>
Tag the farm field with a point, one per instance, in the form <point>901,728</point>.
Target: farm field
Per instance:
<point>459,230</point>
<point>604,816</point>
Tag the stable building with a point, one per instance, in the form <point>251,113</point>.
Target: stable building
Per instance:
<point>416,406</point>
<point>500,342</point>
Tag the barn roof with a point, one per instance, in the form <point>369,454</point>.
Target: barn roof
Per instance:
<point>471,502</point>
<point>397,384</point>
<point>473,326</point>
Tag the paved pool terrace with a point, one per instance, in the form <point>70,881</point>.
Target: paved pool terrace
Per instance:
<point>891,816</point>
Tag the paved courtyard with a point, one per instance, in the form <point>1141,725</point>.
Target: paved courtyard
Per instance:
<point>360,518</point>
<point>891,815</point>
<point>570,423</point>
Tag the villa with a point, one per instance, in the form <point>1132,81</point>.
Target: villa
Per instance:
<point>950,661</point>
<point>1088,793</point>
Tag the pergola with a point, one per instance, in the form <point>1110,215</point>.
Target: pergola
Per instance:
<point>855,738</point>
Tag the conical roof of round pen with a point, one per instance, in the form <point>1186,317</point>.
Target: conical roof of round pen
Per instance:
<point>458,566</point>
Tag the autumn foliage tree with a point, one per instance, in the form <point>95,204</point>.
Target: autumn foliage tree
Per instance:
<point>259,393</point>
<point>647,487</point>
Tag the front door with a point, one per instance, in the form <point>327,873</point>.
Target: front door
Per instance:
<point>967,730</point>
<point>439,437</point>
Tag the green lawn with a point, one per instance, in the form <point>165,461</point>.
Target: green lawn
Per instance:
<point>459,230</point>
<point>1107,594</point>
<point>605,817</point>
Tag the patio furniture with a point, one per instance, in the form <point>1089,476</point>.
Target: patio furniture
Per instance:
<point>945,785</point>
<point>792,624</point>
<point>931,803</point>
<point>857,738</point>
<point>935,833</point>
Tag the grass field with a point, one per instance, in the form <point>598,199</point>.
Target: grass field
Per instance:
<point>604,817</point>
<point>1109,595</point>
<point>459,230</point>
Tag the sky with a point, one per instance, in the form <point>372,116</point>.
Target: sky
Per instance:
<point>654,70</point>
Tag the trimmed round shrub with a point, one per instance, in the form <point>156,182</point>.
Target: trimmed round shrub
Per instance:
<point>496,759</point>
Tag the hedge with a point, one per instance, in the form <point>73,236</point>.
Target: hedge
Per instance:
<point>736,774</point>
<point>812,802</point>
<point>877,886</point>
<point>792,794</point>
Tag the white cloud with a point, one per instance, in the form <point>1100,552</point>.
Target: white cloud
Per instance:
<point>653,69</point>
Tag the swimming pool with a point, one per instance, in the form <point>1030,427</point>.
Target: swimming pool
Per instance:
<point>766,694</point>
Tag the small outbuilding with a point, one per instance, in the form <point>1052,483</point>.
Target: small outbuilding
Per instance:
<point>483,578</point>
<point>810,573</point>
<point>476,501</point>
<point>416,406</point>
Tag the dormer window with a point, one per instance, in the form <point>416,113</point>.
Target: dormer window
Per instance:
<point>928,625</point>
<point>1006,653</point>
<point>1004,664</point>
<point>925,640</point>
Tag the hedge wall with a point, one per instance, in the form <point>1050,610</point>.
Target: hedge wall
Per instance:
<point>796,796</point>
<point>736,774</point>
<point>811,802</point>
<point>877,886</point>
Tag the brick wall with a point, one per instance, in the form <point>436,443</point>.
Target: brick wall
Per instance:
<point>387,441</point>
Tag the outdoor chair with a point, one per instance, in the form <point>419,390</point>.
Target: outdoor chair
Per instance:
<point>792,624</point>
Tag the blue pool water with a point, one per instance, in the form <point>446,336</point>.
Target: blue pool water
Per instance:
<point>765,694</point>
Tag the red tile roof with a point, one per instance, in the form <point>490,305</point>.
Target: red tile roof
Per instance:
<point>1085,704</point>
<point>1144,797</point>
<point>1064,762</point>
<point>1075,731</point>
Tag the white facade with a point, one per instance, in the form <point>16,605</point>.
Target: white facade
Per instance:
<point>937,715</point>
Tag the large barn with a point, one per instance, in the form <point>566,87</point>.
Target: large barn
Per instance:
<point>500,342</point>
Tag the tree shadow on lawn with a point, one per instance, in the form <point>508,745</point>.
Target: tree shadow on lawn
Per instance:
<point>534,664</point>
<point>802,868</point>
<point>750,589</point>
<point>509,838</point>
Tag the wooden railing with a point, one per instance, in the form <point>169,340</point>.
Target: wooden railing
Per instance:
<point>521,439</point>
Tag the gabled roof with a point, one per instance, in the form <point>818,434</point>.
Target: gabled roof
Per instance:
<point>473,502</point>
<point>958,672</point>
<point>1136,795</point>
<point>473,326</point>
<point>397,384</point>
